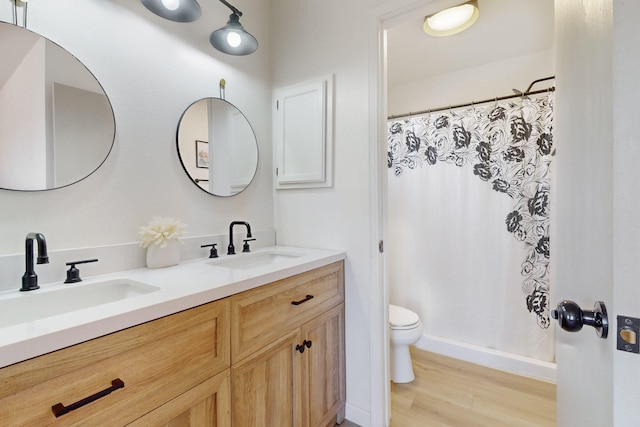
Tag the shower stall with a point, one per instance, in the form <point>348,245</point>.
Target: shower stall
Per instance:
<point>470,226</point>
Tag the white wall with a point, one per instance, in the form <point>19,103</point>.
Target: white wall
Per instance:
<point>323,38</point>
<point>150,76</point>
<point>473,84</point>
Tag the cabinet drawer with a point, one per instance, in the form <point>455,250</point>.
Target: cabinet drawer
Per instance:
<point>156,361</point>
<point>259,316</point>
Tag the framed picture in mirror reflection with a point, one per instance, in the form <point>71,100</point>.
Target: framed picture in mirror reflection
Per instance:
<point>202,154</point>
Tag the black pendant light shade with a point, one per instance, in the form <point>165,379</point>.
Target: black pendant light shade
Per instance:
<point>174,10</point>
<point>233,39</point>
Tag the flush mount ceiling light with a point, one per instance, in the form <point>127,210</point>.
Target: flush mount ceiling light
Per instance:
<point>452,20</point>
<point>232,38</point>
<point>174,10</point>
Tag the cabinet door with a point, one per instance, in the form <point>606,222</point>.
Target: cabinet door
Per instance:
<point>303,131</point>
<point>267,388</point>
<point>207,404</point>
<point>325,368</point>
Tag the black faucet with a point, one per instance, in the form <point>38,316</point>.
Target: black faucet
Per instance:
<point>30,278</point>
<point>231,250</point>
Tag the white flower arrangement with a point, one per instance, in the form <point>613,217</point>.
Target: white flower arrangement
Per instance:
<point>160,230</point>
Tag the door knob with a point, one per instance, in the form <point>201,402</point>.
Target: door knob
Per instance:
<point>571,317</point>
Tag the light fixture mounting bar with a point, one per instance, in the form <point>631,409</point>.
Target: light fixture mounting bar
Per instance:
<point>232,7</point>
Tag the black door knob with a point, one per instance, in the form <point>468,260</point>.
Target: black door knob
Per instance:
<point>571,317</point>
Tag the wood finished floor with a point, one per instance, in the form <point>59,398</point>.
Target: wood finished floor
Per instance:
<point>452,393</point>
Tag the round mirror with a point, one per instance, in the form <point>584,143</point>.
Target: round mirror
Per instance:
<point>217,147</point>
<point>56,122</point>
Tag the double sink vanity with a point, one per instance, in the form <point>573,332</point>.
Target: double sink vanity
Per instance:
<point>252,339</point>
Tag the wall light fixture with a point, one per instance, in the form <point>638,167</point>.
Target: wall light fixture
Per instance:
<point>232,38</point>
<point>174,10</point>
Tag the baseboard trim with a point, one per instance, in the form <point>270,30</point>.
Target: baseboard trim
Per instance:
<point>526,366</point>
<point>358,415</point>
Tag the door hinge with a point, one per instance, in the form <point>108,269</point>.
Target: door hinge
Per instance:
<point>276,171</point>
<point>277,105</point>
<point>381,246</point>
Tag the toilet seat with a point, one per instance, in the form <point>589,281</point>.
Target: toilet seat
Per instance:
<point>402,318</point>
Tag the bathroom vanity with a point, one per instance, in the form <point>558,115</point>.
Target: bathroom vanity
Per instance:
<point>263,345</point>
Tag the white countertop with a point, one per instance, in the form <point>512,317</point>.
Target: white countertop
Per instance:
<point>189,284</point>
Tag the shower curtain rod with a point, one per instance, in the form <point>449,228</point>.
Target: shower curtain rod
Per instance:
<point>518,94</point>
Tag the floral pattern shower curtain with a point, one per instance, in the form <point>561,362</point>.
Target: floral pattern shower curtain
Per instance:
<point>509,146</point>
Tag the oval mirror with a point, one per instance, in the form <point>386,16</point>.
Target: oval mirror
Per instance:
<point>217,147</point>
<point>56,122</point>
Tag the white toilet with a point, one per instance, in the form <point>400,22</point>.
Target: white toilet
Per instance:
<point>405,329</point>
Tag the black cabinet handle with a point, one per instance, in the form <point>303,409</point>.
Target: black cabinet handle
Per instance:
<point>59,409</point>
<point>305,343</point>
<point>307,298</point>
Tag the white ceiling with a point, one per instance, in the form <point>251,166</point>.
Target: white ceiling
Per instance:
<point>505,29</point>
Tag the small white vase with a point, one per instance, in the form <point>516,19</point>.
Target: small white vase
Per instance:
<point>158,257</point>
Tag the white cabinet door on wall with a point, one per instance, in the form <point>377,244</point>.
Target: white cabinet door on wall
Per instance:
<point>303,132</point>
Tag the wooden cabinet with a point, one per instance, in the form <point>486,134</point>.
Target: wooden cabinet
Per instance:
<point>324,367</point>
<point>288,351</point>
<point>157,361</point>
<point>265,386</point>
<point>205,405</point>
<point>270,356</point>
<point>262,315</point>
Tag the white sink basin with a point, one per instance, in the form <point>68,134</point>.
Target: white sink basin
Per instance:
<point>254,260</point>
<point>20,307</point>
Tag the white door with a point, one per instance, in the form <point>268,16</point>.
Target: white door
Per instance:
<point>596,246</point>
<point>583,206</point>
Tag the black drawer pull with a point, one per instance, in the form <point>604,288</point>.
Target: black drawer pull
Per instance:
<point>307,298</point>
<point>59,409</point>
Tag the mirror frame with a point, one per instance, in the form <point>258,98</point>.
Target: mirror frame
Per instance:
<point>184,166</point>
<point>113,117</point>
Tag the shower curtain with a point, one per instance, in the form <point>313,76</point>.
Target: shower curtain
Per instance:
<point>469,220</point>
